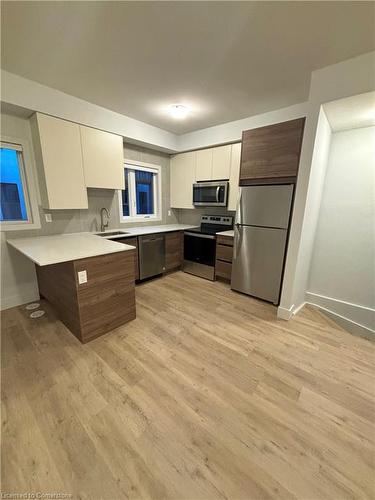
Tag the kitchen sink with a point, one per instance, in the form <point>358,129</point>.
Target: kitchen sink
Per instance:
<point>112,233</point>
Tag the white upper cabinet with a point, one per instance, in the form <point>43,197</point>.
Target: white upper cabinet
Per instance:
<point>235,162</point>
<point>203,168</point>
<point>182,177</point>
<point>103,159</point>
<point>57,145</point>
<point>221,163</point>
<point>213,164</point>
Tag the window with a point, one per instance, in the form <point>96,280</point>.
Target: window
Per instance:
<point>141,197</point>
<point>14,203</point>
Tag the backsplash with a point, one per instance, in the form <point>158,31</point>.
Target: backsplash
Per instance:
<point>193,216</point>
<point>72,221</point>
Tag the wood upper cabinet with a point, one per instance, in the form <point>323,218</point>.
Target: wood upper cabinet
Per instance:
<point>103,159</point>
<point>57,145</point>
<point>234,178</point>
<point>271,153</point>
<point>221,157</point>
<point>174,244</point>
<point>182,177</point>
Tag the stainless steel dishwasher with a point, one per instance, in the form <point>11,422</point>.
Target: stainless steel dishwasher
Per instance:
<point>151,255</point>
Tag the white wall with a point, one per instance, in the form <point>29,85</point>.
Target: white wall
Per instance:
<point>343,260</point>
<point>351,77</point>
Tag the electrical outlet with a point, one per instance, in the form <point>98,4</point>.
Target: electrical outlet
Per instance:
<point>48,217</point>
<point>169,213</point>
<point>82,277</point>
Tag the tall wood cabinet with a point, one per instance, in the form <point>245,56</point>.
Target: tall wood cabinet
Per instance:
<point>57,145</point>
<point>271,154</point>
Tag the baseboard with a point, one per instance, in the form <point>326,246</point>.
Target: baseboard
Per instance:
<point>358,319</point>
<point>18,299</point>
<point>284,313</point>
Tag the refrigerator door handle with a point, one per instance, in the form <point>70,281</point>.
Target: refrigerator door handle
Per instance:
<point>238,209</point>
<point>237,240</point>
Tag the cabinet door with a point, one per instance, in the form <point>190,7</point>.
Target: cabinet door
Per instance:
<point>133,242</point>
<point>221,162</point>
<point>203,168</point>
<point>182,170</point>
<point>173,250</point>
<point>234,176</point>
<point>271,153</point>
<point>57,145</point>
<point>103,159</point>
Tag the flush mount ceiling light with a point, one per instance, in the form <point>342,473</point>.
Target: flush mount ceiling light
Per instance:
<point>178,111</point>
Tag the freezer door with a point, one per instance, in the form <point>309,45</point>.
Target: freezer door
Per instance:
<point>258,258</point>
<point>265,205</point>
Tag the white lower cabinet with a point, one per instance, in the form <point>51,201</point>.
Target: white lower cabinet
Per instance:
<point>182,177</point>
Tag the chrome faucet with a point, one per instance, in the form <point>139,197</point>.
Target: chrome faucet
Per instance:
<point>108,215</point>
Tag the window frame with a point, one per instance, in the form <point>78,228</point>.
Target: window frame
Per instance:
<point>132,165</point>
<point>30,192</point>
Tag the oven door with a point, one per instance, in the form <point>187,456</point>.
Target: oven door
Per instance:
<point>210,194</point>
<point>199,254</point>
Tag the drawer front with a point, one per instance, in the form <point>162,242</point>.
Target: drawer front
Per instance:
<point>223,269</point>
<point>133,242</point>
<point>224,240</point>
<point>224,253</point>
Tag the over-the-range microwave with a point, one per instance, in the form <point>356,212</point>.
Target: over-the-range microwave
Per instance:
<point>210,194</point>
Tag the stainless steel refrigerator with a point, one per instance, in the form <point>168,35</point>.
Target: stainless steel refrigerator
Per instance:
<point>260,236</point>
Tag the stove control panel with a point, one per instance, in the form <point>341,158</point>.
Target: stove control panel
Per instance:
<point>217,219</point>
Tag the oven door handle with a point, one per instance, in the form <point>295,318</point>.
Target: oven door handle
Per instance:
<point>197,235</point>
<point>217,194</point>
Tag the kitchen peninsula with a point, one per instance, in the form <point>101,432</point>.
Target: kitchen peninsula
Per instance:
<point>89,280</point>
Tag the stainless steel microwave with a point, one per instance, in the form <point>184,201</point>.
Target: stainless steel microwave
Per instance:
<point>210,194</point>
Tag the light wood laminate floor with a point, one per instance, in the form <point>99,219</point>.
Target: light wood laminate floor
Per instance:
<point>204,396</point>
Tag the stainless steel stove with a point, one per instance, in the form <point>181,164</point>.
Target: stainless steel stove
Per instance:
<point>200,245</point>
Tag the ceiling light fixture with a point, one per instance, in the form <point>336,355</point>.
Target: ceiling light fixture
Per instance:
<point>178,111</point>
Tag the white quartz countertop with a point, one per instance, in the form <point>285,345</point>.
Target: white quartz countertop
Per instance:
<point>227,233</point>
<point>46,250</point>
<point>139,231</point>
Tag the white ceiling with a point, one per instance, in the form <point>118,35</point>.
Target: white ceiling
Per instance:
<point>227,60</point>
<point>352,112</point>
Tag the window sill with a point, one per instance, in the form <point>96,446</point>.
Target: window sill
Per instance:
<point>140,220</point>
<point>18,226</point>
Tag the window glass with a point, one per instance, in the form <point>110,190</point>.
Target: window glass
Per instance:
<point>144,187</point>
<point>125,195</point>
<point>12,197</point>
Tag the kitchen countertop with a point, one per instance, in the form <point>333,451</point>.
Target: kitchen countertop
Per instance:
<point>139,231</point>
<point>46,250</point>
<point>227,233</point>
